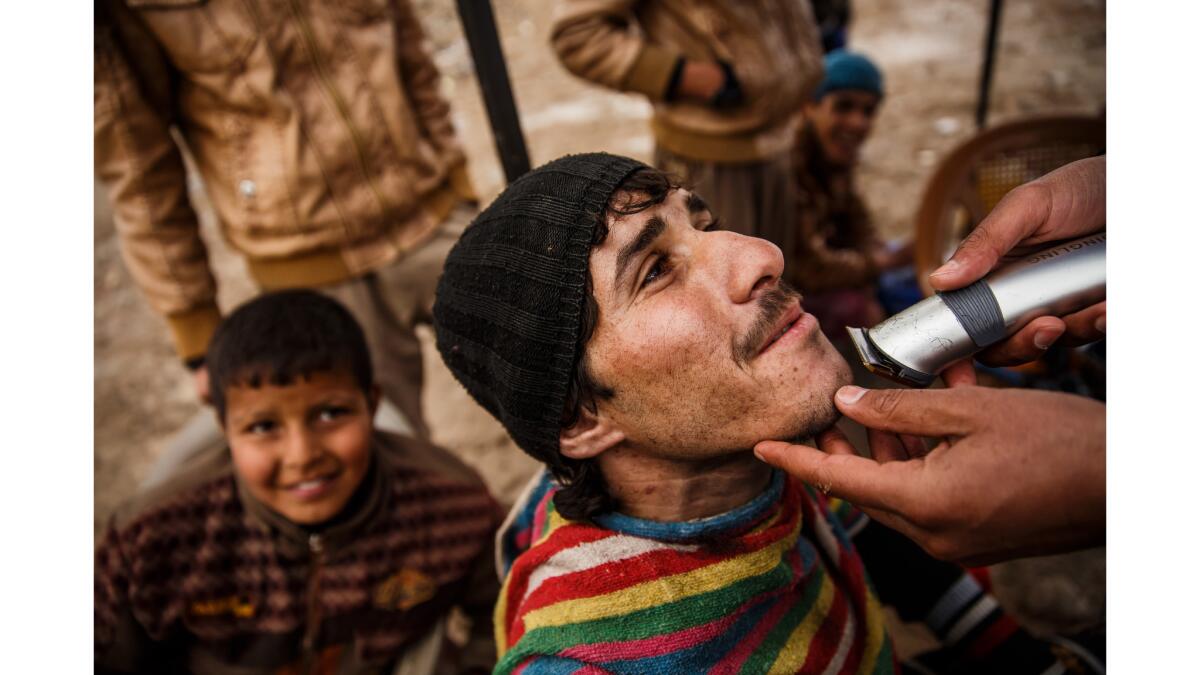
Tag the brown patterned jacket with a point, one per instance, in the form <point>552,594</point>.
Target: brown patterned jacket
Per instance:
<point>318,128</point>
<point>196,576</point>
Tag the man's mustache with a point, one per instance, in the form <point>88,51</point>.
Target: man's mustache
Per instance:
<point>772,306</point>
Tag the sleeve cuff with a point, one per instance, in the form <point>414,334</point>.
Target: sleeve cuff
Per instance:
<point>651,71</point>
<point>192,330</point>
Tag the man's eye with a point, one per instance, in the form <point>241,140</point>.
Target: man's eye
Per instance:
<point>716,224</point>
<point>659,268</point>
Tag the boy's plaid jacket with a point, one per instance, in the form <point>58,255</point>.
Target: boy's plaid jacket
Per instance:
<point>197,576</point>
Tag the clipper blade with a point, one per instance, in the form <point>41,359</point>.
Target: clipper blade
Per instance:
<point>879,363</point>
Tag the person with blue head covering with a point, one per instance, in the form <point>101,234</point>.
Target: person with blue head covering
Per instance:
<point>838,257</point>
<point>843,106</point>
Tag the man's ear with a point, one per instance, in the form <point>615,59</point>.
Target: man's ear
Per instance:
<point>591,435</point>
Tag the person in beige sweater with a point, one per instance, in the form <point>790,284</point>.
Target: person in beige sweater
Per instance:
<point>727,81</point>
<point>324,145</point>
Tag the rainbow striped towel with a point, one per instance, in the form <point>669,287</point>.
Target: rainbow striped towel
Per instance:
<point>772,586</point>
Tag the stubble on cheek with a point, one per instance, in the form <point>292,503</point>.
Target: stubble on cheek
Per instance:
<point>687,394</point>
<point>808,387</point>
<point>675,395</point>
<point>836,374</point>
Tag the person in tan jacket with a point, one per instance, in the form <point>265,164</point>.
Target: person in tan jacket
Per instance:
<point>324,145</point>
<point>727,81</point>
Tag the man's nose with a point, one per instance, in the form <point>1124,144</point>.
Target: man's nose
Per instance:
<point>750,265</point>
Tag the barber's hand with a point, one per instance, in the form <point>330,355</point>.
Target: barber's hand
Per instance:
<point>200,381</point>
<point>1017,472</point>
<point>1064,204</point>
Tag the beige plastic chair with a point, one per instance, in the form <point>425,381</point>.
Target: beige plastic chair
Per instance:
<point>978,173</point>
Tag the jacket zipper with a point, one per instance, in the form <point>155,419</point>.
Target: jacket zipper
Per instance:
<point>313,621</point>
<point>343,111</point>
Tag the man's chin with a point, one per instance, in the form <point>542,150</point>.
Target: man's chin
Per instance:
<point>821,419</point>
<point>840,374</point>
<point>807,417</point>
<point>821,413</point>
<point>811,409</point>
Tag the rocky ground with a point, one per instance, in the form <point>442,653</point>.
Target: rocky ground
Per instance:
<point>1050,59</point>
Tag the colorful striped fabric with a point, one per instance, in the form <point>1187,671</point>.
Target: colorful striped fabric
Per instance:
<point>772,586</point>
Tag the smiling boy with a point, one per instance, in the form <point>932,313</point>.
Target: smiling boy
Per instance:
<point>258,431</point>
<point>313,543</point>
<point>627,340</point>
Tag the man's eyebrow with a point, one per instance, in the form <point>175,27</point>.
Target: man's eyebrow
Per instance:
<point>696,203</point>
<point>650,231</point>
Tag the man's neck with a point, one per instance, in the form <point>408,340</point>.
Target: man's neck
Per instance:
<point>671,490</point>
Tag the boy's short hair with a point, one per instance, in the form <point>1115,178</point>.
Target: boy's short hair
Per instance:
<point>278,337</point>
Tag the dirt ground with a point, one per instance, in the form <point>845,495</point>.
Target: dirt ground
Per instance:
<point>1050,59</point>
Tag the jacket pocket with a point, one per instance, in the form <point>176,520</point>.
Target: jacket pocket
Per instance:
<point>200,36</point>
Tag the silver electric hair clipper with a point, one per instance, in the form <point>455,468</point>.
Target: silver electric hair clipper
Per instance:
<point>914,346</point>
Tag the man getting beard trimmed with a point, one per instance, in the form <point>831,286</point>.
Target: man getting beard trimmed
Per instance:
<point>624,338</point>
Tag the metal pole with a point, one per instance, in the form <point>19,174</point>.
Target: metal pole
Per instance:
<point>989,60</point>
<point>479,25</point>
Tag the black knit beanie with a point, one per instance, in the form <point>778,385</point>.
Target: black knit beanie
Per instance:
<point>510,298</point>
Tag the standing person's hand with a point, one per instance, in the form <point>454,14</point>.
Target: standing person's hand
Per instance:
<point>1017,472</point>
<point>1064,204</point>
<point>701,80</point>
<point>713,83</point>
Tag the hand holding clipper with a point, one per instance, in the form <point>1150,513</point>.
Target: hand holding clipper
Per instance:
<point>914,346</point>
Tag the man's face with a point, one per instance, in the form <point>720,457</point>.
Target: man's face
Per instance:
<point>842,121</point>
<point>686,337</point>
<point>301,449</point>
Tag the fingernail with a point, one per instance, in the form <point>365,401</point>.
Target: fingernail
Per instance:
<point>949,267</point>
<point>1101,324</point>
<point>1044,338</point>
<point>850,394</point>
